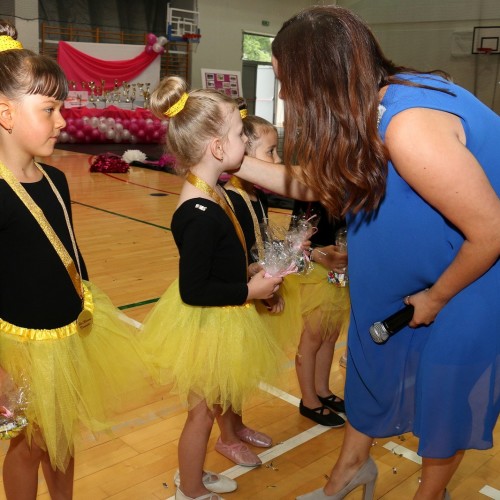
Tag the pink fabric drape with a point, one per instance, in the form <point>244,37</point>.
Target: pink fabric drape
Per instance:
<point>80,67</point>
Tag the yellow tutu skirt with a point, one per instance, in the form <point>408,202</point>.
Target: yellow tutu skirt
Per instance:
<point>287,325</point>
<point>72,380</point>
<point>216,354</point>
<point>325,307</point>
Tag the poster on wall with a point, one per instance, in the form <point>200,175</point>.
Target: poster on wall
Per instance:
<point>228,82</point>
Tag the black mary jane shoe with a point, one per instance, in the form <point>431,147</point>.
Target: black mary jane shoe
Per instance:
<point>330,402</point>
<point>320,416</point>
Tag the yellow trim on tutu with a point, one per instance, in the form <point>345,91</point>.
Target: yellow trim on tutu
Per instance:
<point>76,383</point>
<point>45,334</point>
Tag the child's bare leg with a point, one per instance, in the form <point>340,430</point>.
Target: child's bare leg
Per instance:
<point>20,469</point>
<point>229,424</point>
<point>59,484</point>
<point>324,359</point>
<point>193,448</point>
<point>305,366</point>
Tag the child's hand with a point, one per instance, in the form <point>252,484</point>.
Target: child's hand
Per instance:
<point>275,304</point>
<point>306,246</point>
<point>254,268</point>
<point>330,257</point>
<point>260,287</point>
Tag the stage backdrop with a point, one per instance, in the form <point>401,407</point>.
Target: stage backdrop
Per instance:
<point>127,63</point>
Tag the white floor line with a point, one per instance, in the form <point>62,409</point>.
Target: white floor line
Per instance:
<point>317,430</point>
<point>274,391</point>
<point>276,451</point>
<point>397,449</point>
<point>490,492</point>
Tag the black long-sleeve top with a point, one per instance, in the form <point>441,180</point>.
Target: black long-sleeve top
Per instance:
<point>36,291</point>
<point>212,264</point>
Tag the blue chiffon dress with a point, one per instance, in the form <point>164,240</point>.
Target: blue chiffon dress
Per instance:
<point>441,382</point>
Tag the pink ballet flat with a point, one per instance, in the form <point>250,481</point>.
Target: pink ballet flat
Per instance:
<point>255,438</point>
<point>238,453</point>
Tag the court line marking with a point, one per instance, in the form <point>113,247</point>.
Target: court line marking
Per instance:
<point>121,215</point>
<point>397,449</point>
<point>305,436</point>
<point>276,451</point>
<point>490,492</point>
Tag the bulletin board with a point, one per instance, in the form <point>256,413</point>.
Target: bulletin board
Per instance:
<point>228,82</point>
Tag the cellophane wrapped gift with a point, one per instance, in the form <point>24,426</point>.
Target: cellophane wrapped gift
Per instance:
<point>282,250</point>
<point>13,402</point>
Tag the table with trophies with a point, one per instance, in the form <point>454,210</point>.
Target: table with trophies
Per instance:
<point>96,113</point>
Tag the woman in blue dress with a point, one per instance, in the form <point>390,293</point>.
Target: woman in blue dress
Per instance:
<point>413,162</point>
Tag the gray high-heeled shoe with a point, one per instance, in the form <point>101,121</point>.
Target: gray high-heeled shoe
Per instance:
<point>366,476</point>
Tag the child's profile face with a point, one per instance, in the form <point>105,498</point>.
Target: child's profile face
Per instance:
<point>266,147</point>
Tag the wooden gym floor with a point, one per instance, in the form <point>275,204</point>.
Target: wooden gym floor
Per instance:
<point>122,223</point>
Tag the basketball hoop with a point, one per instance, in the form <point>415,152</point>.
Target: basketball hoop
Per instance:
<point>194,37</point>
<point>485,50</point>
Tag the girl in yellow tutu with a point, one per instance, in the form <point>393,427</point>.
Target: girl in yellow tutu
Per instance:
<point>281,312</point>
<point>204,334</point>
<point>62,343</point>
<point>325,308</point>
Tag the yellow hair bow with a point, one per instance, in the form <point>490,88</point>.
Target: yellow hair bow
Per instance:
<point>177,107</point>
<point>8,43</point>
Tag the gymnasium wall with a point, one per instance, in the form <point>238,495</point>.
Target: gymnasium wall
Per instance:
<point>437,34</point>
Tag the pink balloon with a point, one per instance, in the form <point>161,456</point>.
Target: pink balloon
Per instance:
<point>151,38</point>
<point>149,49</point>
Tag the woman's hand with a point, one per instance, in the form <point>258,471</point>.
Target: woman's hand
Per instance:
<point>426,305</point>
<point>260,287</point>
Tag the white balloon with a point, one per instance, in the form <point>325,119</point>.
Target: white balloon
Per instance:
<point>63,137</point>
<point>94,122</point>
<point>111,121</point>
<point>126,134</point>
<point>157,48</point>
<point>161,40</point>
<point>103,127</point>
<point>118,127</point>
<point>110,133</point>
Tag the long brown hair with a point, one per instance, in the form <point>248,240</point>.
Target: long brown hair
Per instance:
<point>331,69</point>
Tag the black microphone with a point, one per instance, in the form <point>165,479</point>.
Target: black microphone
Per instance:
<point>382,330</point>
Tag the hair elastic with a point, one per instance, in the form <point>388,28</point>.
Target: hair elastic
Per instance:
<point>243,113</point>
<point>8,43</point>
<point>177,107</point>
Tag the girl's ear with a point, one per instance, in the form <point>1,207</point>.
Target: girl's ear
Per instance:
<point>6,115</point>
<point>216,149</point>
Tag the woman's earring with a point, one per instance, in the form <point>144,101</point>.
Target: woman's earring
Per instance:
<point>9,130</point>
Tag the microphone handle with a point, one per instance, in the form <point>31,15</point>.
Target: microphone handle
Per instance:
<point>398,320</point>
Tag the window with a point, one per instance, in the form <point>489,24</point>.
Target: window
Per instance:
<point>257,47</point>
